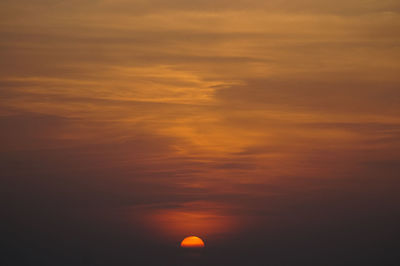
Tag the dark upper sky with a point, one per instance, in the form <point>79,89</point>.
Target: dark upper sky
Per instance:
<point>271,129</point>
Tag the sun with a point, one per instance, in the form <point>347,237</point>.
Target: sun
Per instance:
<point>192,242</point>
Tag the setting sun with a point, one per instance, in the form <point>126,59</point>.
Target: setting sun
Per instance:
<point>192,242</point>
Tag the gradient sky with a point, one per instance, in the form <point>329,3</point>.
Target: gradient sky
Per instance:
<point>271,129</point>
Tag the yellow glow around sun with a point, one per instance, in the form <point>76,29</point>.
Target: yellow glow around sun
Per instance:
<point>192,242</point>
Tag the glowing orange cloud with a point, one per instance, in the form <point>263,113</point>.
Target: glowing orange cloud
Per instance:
<point>192,242</point>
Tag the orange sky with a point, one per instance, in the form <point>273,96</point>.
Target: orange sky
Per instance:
<point>227,111</point>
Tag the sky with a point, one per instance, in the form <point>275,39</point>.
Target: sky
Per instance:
<point>270,129</point>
